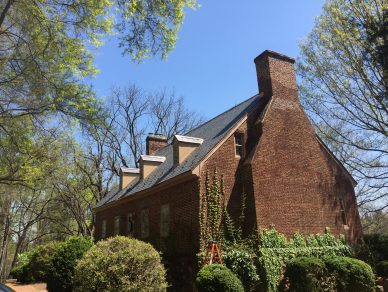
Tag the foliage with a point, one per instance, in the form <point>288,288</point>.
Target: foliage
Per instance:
<point>214,278</point>
<point>242,261</point>
<point>308,274</point>
<point>41,260</point>
<point>382,269</point>
<point>351,274</point>
<point>21,271</point>
<point>211,210</point>
<point>64,262</point>
<point>373,249</point>
<point>36,264</point>
<point>120,264</point>
<point>344,74</point>
<point>275,251</point>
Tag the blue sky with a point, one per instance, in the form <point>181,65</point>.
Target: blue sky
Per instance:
<point>212,64</point>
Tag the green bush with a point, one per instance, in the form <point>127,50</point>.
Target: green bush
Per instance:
<point>351,274</point>
<point>64,261</point>
<point>373,249</point>
<point>382,269</point>
<point>21,271</point>
<point>242,262</point>
<point>120,264</point>
<point>305,274</point>
<point>214,278</point>
<point>275,251</point>
<point>41,261</point>
<point>35,264</point>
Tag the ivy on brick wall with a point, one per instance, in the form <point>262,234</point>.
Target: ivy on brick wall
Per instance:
<point>275,251</point>
<point>211,210</point>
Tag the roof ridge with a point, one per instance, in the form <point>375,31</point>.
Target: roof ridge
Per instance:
<point>228,110</point>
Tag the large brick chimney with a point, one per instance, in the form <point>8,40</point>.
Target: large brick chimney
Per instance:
<point>276,75</point>
<point>154,142</point>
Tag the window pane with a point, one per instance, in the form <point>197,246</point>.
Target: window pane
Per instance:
<point>103,229</point>
<point>145,223</point>
<point>164,220</point>
<point>117,225</point>
<point>131,224</point>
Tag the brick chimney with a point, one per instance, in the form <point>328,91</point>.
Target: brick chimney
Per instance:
<point>276,75</point>
<point>154,142</point>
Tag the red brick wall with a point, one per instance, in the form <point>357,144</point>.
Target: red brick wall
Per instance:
<point>184,204</point>
<point>296,183</point>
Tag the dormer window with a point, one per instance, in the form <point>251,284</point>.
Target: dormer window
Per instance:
<point>239,144</point>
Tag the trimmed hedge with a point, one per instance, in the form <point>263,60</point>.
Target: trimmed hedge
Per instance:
<point>305,274</point>
<point>351,274</point>
<point>64,261</point>
<point>329,274</point>
<point>214,278</point>
<point>382,269</point>
<point>120,264</point>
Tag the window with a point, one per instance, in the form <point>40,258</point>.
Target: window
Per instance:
<point>103,229</point>
<point>117,225</point>
<point>342,210</point>
<point>239,144</point>
<point>130,224</point>
<point>164,220</point>
<point>145,223</point>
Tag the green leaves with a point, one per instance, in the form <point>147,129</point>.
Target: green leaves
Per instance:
<point>344,89</point>
<point>275,251</point>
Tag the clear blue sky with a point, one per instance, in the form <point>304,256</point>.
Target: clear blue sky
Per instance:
<point>212,64</point>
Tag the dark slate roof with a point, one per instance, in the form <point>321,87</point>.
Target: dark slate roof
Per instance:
<point>212,131</point>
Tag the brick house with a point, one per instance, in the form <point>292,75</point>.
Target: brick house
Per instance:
<point>265,145</point>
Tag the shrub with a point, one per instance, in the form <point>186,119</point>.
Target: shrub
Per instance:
<point>64,261</point>
<point>35,264</point>
<point>120,264</point>
<point>214,278</point>
<point>382,269</point>
<point>41,261</point>
<point>351,274</point>
<point>21,271</point>
<point>373,249</point>
<point>307,274</point>
<point>242,262</point>
<point>275,251</point>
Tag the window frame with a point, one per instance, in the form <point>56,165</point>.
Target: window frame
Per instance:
<point>116,226</point>
<point>343,210</point>
<point>239,147</point>
<point>145,223</point>
<point>131,218</point>
<point>165,220</point>
<point>103,228</point>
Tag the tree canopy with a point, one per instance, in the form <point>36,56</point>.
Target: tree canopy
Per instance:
<point>344,87</point>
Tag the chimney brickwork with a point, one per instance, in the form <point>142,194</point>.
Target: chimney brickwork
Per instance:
<point>154,142</point>
<point>276,75</point>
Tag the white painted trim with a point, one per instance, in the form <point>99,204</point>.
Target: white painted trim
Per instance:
<point>188,139</point>
<point>129,170</point>
<point>153,158</point>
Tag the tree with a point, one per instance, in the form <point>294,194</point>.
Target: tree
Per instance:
<point>45,52</point>
<point>134,113</point>
<point>343,88</point>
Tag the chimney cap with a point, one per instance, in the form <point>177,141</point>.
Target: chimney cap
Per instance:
<point>156,136</point>
<point>187,139</point>
<point>129,170</point>
<point>273,54</point>
<point>152,158</point>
